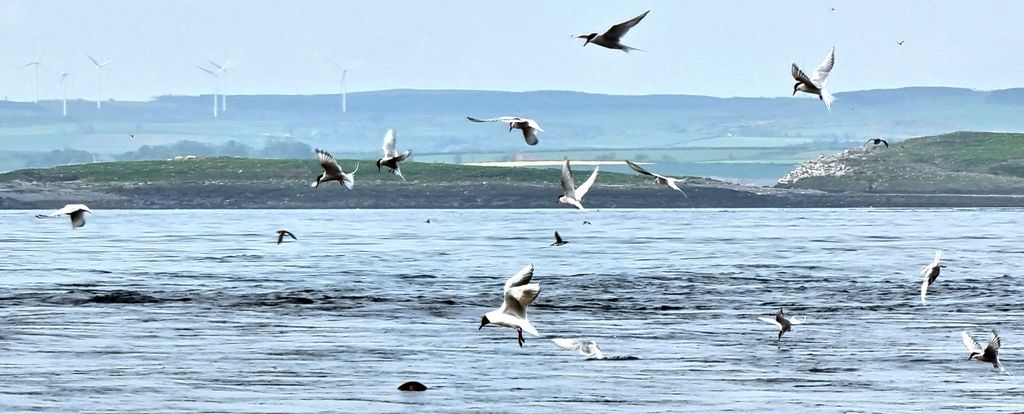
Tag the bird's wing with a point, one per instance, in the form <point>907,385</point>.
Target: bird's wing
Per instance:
<point>575,345</point>
<point>519,297</point>
<point>800,76</point>
<point>530,135</point>
<point>389,144</point>
<point>206,70</point>
<point>583,188</point>
<point>797,320</point>
<point>533,124</point>
<point>886,143</point>
<point>77,218</point>
<point>328,162</point>
<point>289,234</point>
<point>924,289</point>
<point>497,119</point>
<point>938,257</point>
<point>636,167</point>
<point>520,278</point>
<point>558,238</point>
<point>994,342</point>
<point>568,187</point>
<point>672,184</point>
<point>619,30</point>
<point>280,237</point>
<point>770,320</point>
<point>970,343</point>
<point>94,62</point>
<point>821,75</point>
<point>403,156</point>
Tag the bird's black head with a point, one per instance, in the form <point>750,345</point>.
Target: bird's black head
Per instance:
<point>942,266</point>
<point>483,322</point>
<point>378,164</point>
<point>795,86</point>
<point>318,178</point>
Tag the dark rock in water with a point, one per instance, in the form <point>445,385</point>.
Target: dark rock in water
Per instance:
<point>412,386</point>
<point>123,296</point>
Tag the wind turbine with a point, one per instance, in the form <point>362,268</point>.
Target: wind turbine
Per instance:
<point>36,64</point>
<point>222,70</point>
<point>64,83</point>
<point>99,71</point>
<point>216,90</point>
<point>344,90</point>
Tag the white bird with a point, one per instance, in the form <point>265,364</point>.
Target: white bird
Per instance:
<point>816,84</point>
<point>589,349</point>
<point>784,324</point>
<point>517,295</point>
<point>527,125</point>
<point>571,194</point>
<point>658,178</point>
<point>75,211</point>
<point>391,157</point>
<point>612,37</point>
<point>930,273</point>
<point>333,172</point>
<point>991,352</point>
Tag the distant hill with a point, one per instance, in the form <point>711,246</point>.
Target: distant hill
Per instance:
<point>956,163</point>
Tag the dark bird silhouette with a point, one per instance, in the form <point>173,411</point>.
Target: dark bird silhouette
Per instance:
<point>878,141</point>
<point>281,233</point>
<point>412,386</point>
<point>612,37</point>
<point>558,240</point>
<point>901,42</point>
<point>780,320</point>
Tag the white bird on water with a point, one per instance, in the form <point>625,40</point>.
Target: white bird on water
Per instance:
<point>571,194</point>
<point>815,85</point>
<point>991,352</point>
<point>589,349</point>
<point>930,273</point>
<point>612,38</point>
<point>527,125</point>
<point>658,178</point>
<point>75,211</point>
<point>391,157</point>
<point>784,324</point>
<point>333,172</point>
<point>517,295</point>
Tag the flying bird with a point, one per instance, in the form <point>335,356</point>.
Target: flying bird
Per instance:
<point>517,295</point>
<point>75,211</point>
<point>281,233</point>
<point>658,178</point>
<point>527,125</point>
<point>901,42</point>
<point>612,37</point>
<point>333,172</point>
<point>815,85</point>
<point>991,352</point>
<point>391,156</point>
<point>930,273</point>
<point>574,196</point>
<point>558,240</point>
<point>878,141</point>
<point>589,349</point>
<point>780,320</point>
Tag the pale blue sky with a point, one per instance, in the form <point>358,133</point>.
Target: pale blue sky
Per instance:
<point>720,48</point>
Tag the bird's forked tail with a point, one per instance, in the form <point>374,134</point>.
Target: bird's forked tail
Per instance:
<point>827,98</point>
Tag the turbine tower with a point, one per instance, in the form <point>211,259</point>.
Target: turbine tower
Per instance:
<point>222,70</point>
<point>344,90</point>
<point>216,88</point>
<point>99,72</point>
<point>64,83</point>
<point>35,63</point>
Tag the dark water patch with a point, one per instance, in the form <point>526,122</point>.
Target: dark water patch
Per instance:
<point>831,370</point>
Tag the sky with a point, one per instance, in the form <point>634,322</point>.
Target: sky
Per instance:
<point>719,48</point>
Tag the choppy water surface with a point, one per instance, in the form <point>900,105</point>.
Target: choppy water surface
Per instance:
<point>200,311</point>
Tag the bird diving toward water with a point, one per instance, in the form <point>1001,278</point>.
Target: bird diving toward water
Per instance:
<point>612,37</point>
<point>75,211</point>
<point>281,233</point>
<point>517,295</point>
<point>658,178</point>
<point>527,125</point>
<point>333,172</point>
<point>930,273</point>
<point>991,352</point>
<point>815,85</point>
<point>571,194</point>
<point>391,157</point>
<point>784,324</point>
<point>878,141</point>
<point>558,240</point>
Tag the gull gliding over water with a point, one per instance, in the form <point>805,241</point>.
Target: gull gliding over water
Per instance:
<point>391,157</point>
<point>333,172</point>
<point>517,295</point>
<point>75,211</point>
<point>658,178</point>
<point>612,38</point>
<point>815,85</point>
<point>780,320</point>
<point>930,273</point>
<point>991,352</point>
<point>527,125</point>
<point>589,349</point>
<point>571,194</point>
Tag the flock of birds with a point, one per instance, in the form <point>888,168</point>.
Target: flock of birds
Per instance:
<point>518,292</point>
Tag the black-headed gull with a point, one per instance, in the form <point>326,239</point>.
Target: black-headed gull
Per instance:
<point>75,211</point>
<point>571,194</point>
<point>333,172</point>
<point>527,125</point>
<point>784,324</point>
<point>815,85</point>
<point>517,295</point>
<point>391,157</point>
<point>930,273</point>
<point>991,352</point>
<point>612,38</point>
<point>658,178</point>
